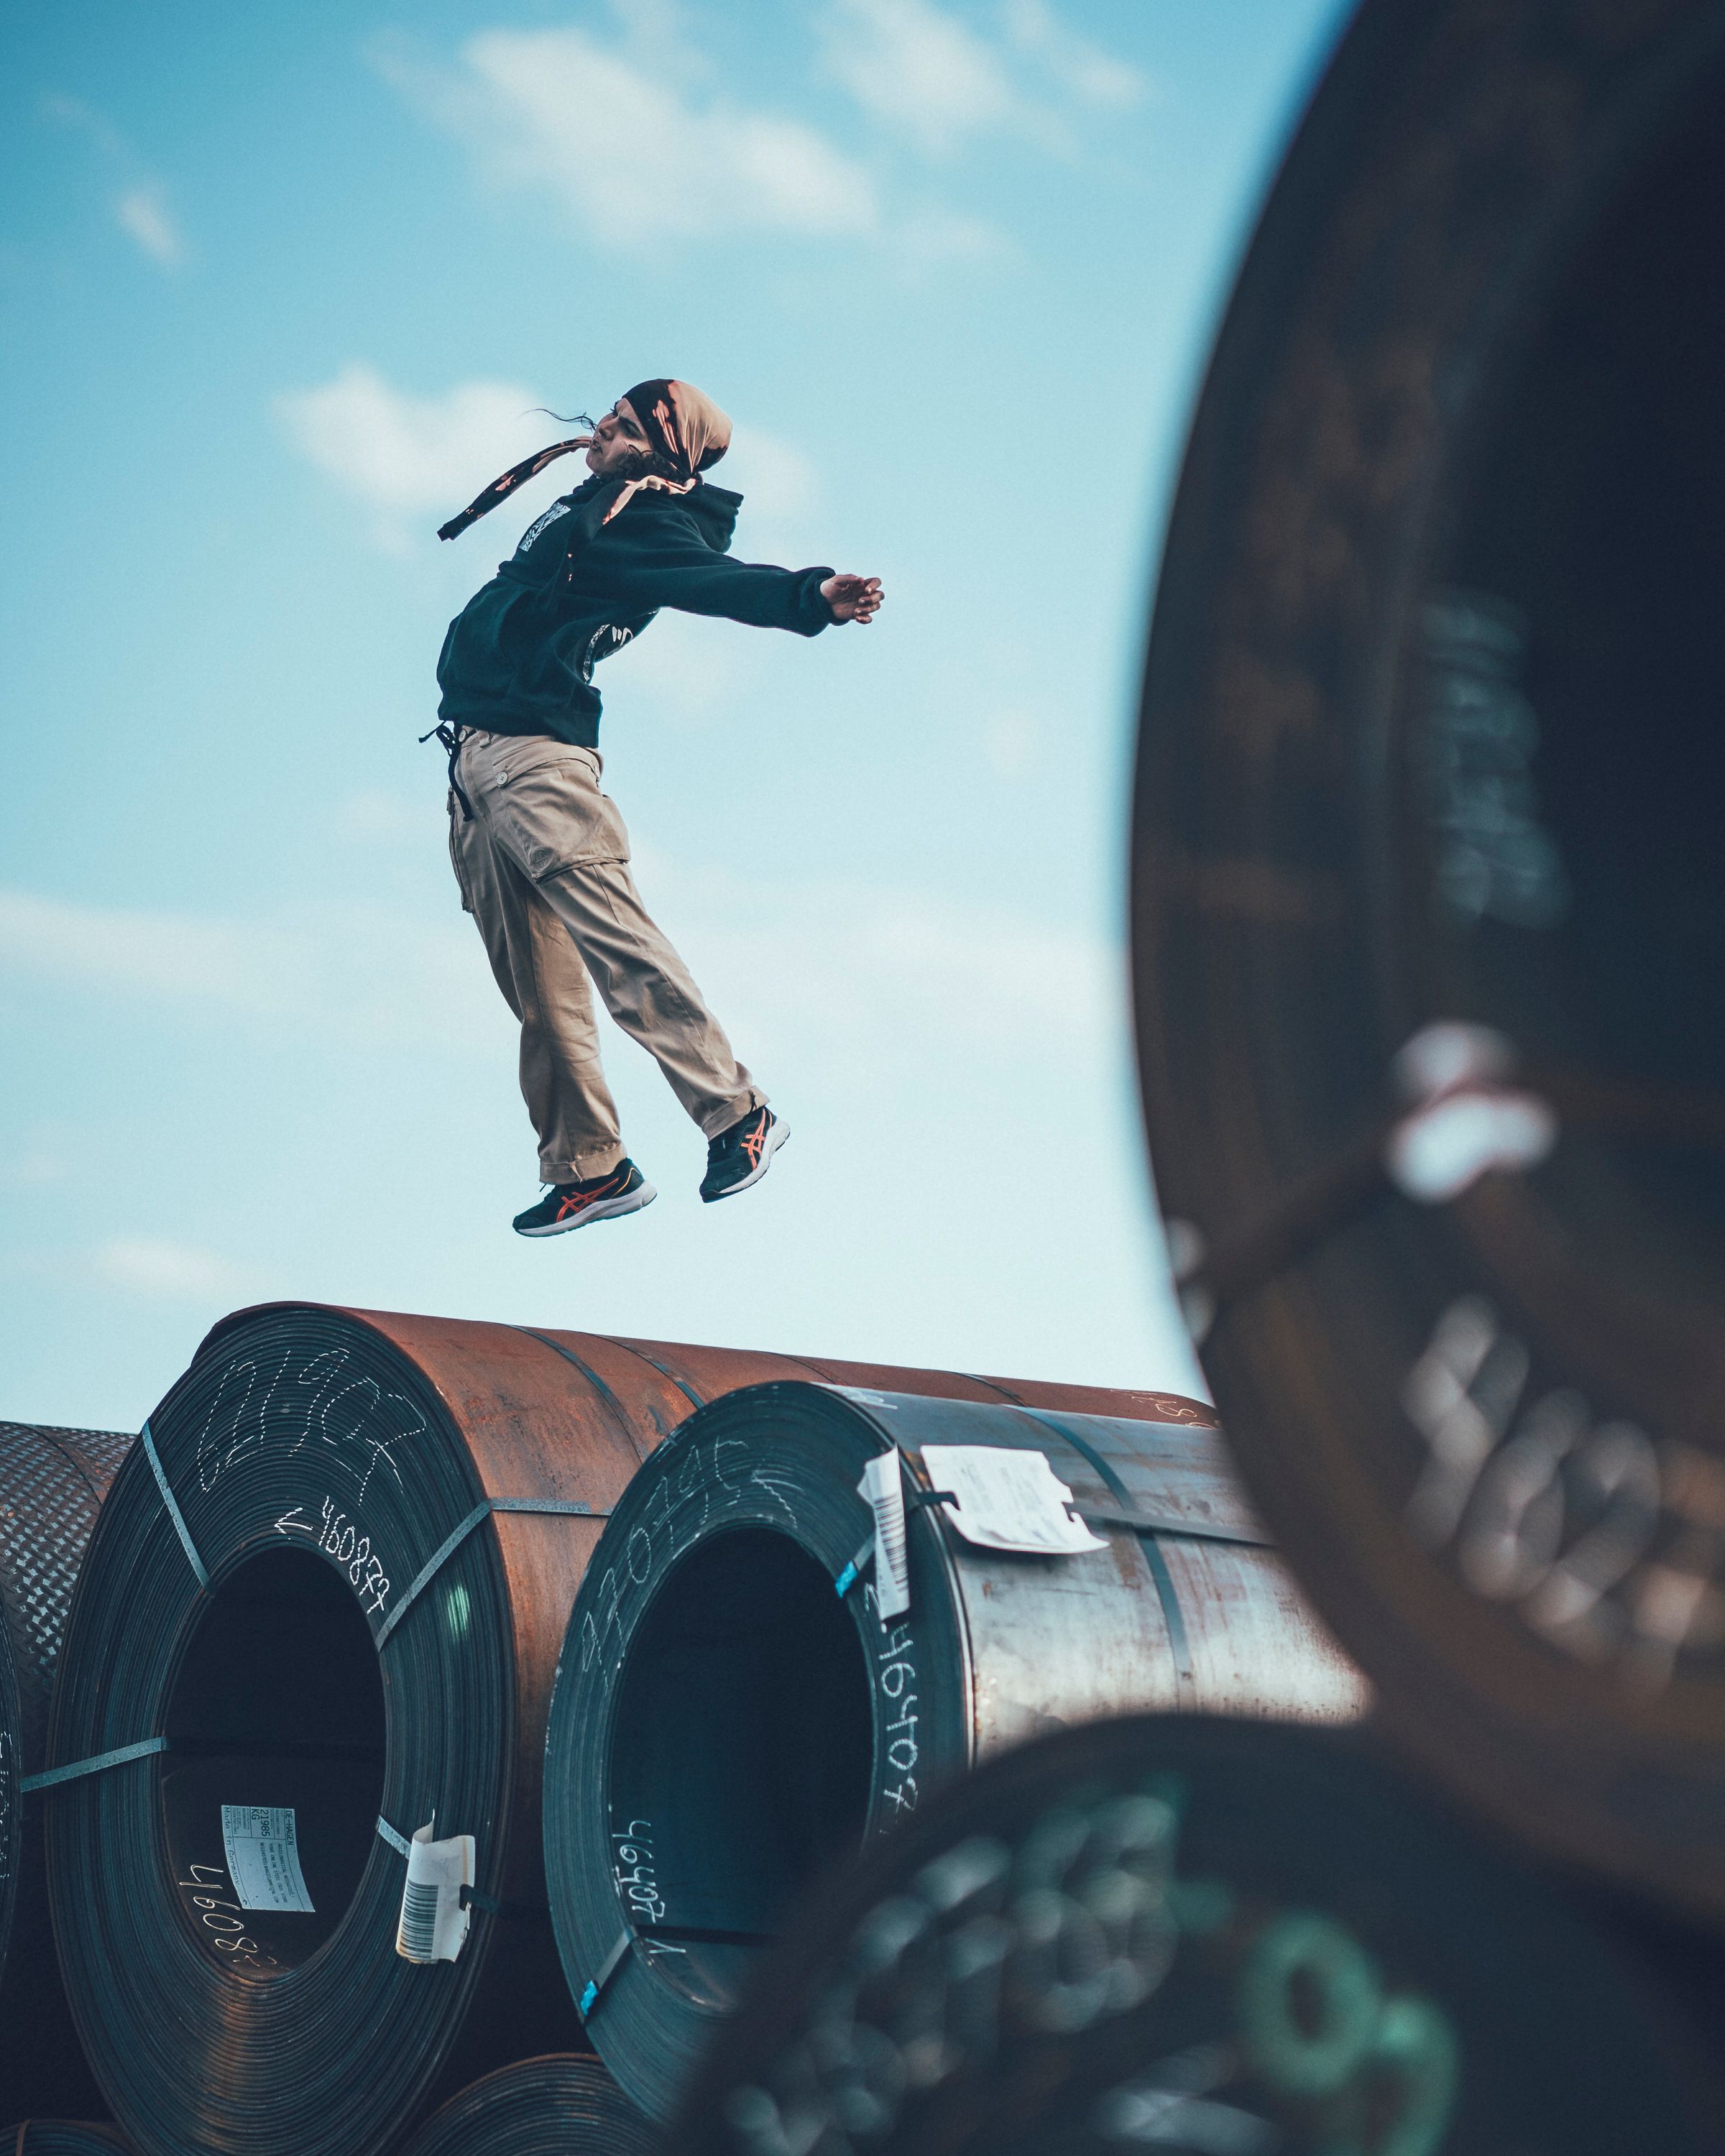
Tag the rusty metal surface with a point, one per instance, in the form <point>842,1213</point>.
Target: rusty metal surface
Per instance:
<point>572,1414</point>
<point>306,1443</point>
<point>1163,1620</point>
<point>1429,733</point>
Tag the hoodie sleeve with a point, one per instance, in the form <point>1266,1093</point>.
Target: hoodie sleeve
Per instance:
<point>676,568</point>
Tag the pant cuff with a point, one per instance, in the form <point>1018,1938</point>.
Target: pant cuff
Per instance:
<point>584,1167</point>
<point>721,1119</point>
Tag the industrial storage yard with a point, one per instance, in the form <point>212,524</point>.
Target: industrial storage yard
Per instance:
<point>429,1734</point>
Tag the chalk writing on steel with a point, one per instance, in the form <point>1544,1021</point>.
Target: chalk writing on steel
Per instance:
<point>298,1402</point>
<point>221,1919</point>
<point>894,1675</point>
<point>1602,1540</point>
<point>342,1538</point>
<point>634,1869</point>
<point>1495,856</point>
<point>989,1946</point>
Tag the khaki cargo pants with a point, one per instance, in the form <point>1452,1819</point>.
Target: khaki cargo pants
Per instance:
<point>543,869</point>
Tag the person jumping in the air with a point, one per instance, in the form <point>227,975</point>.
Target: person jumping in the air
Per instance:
<point>540,853</point>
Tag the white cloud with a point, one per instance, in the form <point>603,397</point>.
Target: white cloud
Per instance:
<point>924,72</point>
<point>406,456</point>
<point>780,483</point>
<point>369,976</point>
<point>143,213</point>
<point>1091,75</point>
<point>887,973</point>
<point>879,971</point>
<point>149,1265</point>
<point>917,68</point>
<point>628,153</point>
<point>140,208</point>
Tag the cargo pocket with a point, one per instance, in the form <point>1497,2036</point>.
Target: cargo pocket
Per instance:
<point>455,853</point>
<point>549,811</point>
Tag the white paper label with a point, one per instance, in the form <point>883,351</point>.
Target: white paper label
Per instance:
<point>882,1486</point>
<point>433,1924</point>
<point>264,1857</point>
<point>1008,1500</point>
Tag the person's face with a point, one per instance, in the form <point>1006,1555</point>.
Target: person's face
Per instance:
<point>617,439</point>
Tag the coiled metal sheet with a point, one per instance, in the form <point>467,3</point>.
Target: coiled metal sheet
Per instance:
<point>52,1483</point>
<point>725,1724</point>
<point>1225,1937</point>
<point>61,2137</point>
<point>566,2104</point>
<point>322,1463</point>
<point>1431,740</point>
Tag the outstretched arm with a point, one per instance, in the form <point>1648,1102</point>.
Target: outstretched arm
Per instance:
<point>853,598</point>
<point>678,569</point>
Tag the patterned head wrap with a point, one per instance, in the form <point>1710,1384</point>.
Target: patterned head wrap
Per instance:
<point>682,425</point>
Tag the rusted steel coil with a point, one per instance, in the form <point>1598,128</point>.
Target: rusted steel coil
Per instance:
<point>565,2105</point>
<point>1427,897</point>
<point>376,1644</point>
<point>61,2137</point>
<point>52,1483</point>
<point>1206,1936</point>
<point>733,1713</point>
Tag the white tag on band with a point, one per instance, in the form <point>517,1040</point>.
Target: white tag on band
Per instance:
<point>262,1851</point>
<point>433,1924</point>
<point>882,1487</point>
<point>1008,1500</point>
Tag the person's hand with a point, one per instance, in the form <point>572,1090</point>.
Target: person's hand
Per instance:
<point>853,598</point>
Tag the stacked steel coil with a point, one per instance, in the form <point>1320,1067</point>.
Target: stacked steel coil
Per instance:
<point>1240,1939</point>
<point>330,1590</point>
<point>1429,897</point>
<point>566,2104</point>
<point>52,1483</point>
<point>725,1724</point>
<point>61,2137</point>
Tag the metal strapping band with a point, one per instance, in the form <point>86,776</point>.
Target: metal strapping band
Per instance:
<point>452,1542</point>
<point>471,1897</point>
<point>50,1777</point>
<point>853,1572</point>
<point>670,1377</point>
<point>616,1407</point>
<point>398,1842</point>
<point>174,1513</point>
<point>608,1969</point>
<point>1172,1616</point>
<point>915,1499</point>
<point>1191,1531</point>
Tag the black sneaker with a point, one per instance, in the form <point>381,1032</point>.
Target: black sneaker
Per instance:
<point>739,1158</point>
<point>567,1205</point>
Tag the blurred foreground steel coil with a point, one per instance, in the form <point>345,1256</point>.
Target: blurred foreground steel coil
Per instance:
<point>733,1714</point>
<point>61,2137</point>
<point>52,1483</point>
<point>323,1611</point>
<point>1429,901</point>
<point>565,2105</point>
<point>1229,1939</point>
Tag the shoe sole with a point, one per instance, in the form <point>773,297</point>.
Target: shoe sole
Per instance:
<point>775,1138</point>
<point>608,1209</point>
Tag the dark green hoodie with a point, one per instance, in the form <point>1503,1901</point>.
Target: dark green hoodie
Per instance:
<point>519,657</point>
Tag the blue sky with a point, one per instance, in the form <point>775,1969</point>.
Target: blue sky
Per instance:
<point>280,286</point>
